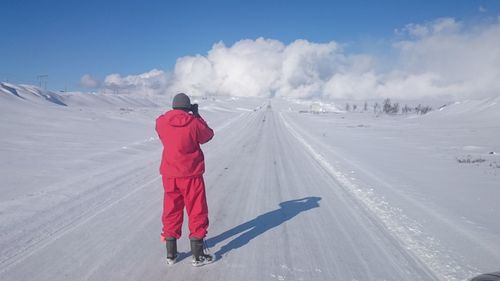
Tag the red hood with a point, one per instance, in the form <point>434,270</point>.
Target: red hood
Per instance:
<point>177,118</point>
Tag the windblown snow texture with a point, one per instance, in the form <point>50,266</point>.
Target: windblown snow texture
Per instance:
<point>292,196</point>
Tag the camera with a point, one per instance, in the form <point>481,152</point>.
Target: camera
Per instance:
<point>194,109</point>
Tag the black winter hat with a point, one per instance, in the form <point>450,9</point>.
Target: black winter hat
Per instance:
<point>181,100</point>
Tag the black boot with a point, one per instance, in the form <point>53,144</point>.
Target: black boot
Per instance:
<point>199,256</point>
<point>171,249</point>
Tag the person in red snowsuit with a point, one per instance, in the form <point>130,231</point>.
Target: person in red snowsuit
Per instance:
<point>182,167</point>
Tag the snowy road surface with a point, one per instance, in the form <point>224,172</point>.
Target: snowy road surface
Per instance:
<point>279,210</point>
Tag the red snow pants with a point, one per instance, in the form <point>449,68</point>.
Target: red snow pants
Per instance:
<point>184,192</point>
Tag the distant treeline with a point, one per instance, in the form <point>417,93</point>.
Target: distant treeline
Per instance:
<point>388,107</point>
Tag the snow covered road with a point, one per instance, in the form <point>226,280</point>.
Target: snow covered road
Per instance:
<point>279,210</point>
<point>275,214</point>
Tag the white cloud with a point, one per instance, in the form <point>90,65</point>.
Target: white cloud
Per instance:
<point>439,26</point>
<point>248,68</point>
<point>262,67</point>
<point>152,82</point>
<point>450,59</point>
<point>351,85</point>
<point>444,57</point>
<point>87,81</point>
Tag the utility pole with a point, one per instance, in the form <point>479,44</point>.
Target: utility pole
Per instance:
<point>42,78</point>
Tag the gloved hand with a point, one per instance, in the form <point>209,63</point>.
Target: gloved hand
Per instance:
<point>194,109</point>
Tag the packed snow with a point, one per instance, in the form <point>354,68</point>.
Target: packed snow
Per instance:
<point>297,189</point>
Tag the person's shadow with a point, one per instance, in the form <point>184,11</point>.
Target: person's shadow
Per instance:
<point>253,228</point>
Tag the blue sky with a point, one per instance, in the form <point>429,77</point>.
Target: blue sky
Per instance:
<point>67,39</point>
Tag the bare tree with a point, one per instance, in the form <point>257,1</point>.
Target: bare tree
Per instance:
<point>406,109</point>
<point>395,108</point>
<point>418,108</point>
<point>425,109</point>
<point>387,107</point>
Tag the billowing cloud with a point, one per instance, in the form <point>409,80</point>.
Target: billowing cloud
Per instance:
<point>439,58</point>
<point>248,68</point>
<point>263,68</point>
<point>87,81</point>
<point>149,83</point>
<point>445,57</point>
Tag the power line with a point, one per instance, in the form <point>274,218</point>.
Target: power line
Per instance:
<point>42,79</point>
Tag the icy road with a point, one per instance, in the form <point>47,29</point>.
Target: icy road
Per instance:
<point>282,206</point>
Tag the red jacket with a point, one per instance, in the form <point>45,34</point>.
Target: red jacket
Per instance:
<point>181,134</point>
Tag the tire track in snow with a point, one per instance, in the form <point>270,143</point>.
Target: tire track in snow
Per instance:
<point>28,251</point>
<point>406,230</point>
<point>272,167</point>
<point>49,224</point>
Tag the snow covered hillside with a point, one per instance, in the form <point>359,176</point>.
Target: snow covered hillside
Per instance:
<point>292,195</point>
